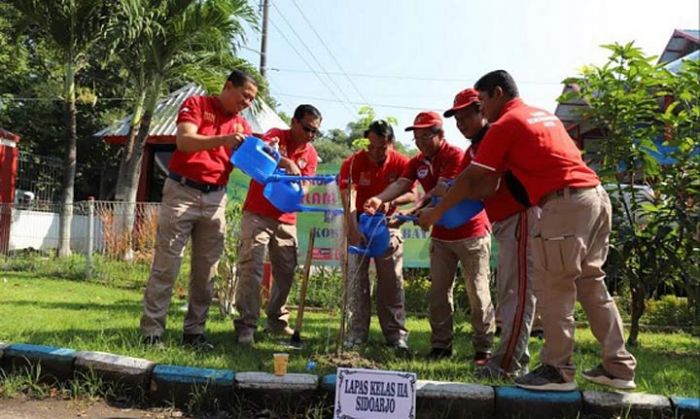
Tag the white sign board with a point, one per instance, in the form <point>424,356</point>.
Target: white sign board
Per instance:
<point>361,393</point>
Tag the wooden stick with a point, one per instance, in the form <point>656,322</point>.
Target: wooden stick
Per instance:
<point>305,279</point>
<point>344,261</point>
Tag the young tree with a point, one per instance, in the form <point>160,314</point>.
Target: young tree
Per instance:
<point>70,28</point>
<point>626,98</point>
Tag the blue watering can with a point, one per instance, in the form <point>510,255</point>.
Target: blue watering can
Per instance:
<point>460,214</point>
<point>375,229</point>
<point>286,194</point>
<point>256,159</point>
<point>456,216</point>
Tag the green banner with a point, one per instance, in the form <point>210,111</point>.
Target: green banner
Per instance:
<point>329,229</point>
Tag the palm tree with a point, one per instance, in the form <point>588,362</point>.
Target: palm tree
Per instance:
<point>159,41</point>
<point>70,28</point>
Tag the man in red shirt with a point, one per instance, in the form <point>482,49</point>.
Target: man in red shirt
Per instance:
<point>438,163</point>
<point>194,203</point>
<point>569,241</point>
<point>264,226</point>
<point>511,220</point>
<point>367,173</point>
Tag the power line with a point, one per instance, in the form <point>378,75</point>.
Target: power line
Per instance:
<point>323,82</point>
<point>377,105</point>
<point>313,56</point>
<point>403,77</point>
<point>352,83</point>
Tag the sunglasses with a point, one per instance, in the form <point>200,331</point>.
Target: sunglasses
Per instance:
<point>310,130</point>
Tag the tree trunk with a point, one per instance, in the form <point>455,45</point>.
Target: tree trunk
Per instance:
<point>130,166</point>
<point>66,215</point>
<point>638,307</point>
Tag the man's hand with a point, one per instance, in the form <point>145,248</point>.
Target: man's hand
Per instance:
<point>427,217</point>
<point>290,167</point>
<point>234,140</point>
<point>372,205</point>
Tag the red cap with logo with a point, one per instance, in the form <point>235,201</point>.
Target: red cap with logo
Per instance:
<point>426,120</point>
<point>463,99</point>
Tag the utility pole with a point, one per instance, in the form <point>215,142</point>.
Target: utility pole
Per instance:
<point>263,46</point>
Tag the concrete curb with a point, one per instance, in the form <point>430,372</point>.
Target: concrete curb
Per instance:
<point>48,362</point>
<point>181,385</point>
<point>515,402</point>
<point>686,407</point>
<point>454,400</point>
<point>124,370</point>
<point>637,405</point>
<point>176,384</point>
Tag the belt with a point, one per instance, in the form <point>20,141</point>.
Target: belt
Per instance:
<point>204,187</point>
<point>564,192</point>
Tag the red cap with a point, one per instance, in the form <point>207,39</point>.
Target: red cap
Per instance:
<point>426,120</point>
<point>463,99</point>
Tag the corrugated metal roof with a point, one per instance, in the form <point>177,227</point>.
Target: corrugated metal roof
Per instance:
<point>675,66</point>
<point>164,119</point>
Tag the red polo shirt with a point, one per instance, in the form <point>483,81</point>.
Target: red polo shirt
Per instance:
<point>447,164</point>
<point>502,204</point>
<point>304,156</point>
<point>535,146</point>
<point>207,166</point>
<point>368,177</point>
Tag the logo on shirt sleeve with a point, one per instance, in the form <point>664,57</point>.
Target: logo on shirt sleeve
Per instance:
<point>423,171</point>
<point>185,109</point>
<point>301,163</point>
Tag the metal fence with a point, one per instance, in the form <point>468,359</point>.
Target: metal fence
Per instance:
<point>117,230</point>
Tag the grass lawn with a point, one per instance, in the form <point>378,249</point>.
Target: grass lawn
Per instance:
<point>87,316</point>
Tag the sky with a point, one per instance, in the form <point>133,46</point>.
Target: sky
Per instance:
<point>402,57</point>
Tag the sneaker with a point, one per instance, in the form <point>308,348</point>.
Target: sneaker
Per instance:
<point>440,353</point>
<point>152,340</point>
<point>401,347</point>
<point>286,331</point>
<point>197,341</point>
<point>481,358</point>
<point>599,375</point>
<point>543,378</point>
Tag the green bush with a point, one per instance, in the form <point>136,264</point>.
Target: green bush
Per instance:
<point>669,311</point>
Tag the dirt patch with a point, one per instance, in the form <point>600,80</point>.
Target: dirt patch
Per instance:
<point>345,360</point>
<point>23,408</point>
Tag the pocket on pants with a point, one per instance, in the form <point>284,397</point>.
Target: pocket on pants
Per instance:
<point>561,254</point>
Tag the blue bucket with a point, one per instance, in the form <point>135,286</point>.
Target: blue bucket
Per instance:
<point>256,159</point>
<point>375,229</point>
<point>285,196</point>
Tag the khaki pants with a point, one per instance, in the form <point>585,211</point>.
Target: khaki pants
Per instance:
<point>474,254</point>
<point>185,212</point>
<point>390,295</point>
<point>258,232</point>
<point>569,247</point>
<point>516,300</point>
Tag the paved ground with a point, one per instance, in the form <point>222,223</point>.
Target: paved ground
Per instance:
<point>19,408</point>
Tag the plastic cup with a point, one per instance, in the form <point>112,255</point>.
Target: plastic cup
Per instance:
<point>281,361</point>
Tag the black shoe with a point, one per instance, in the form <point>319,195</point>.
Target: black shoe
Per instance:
<point>153,340</point>
<point>539,334</point>
<point>440,353</point>
<point>543,378</point>
<point>481,358</point>
<point>197,341</point>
